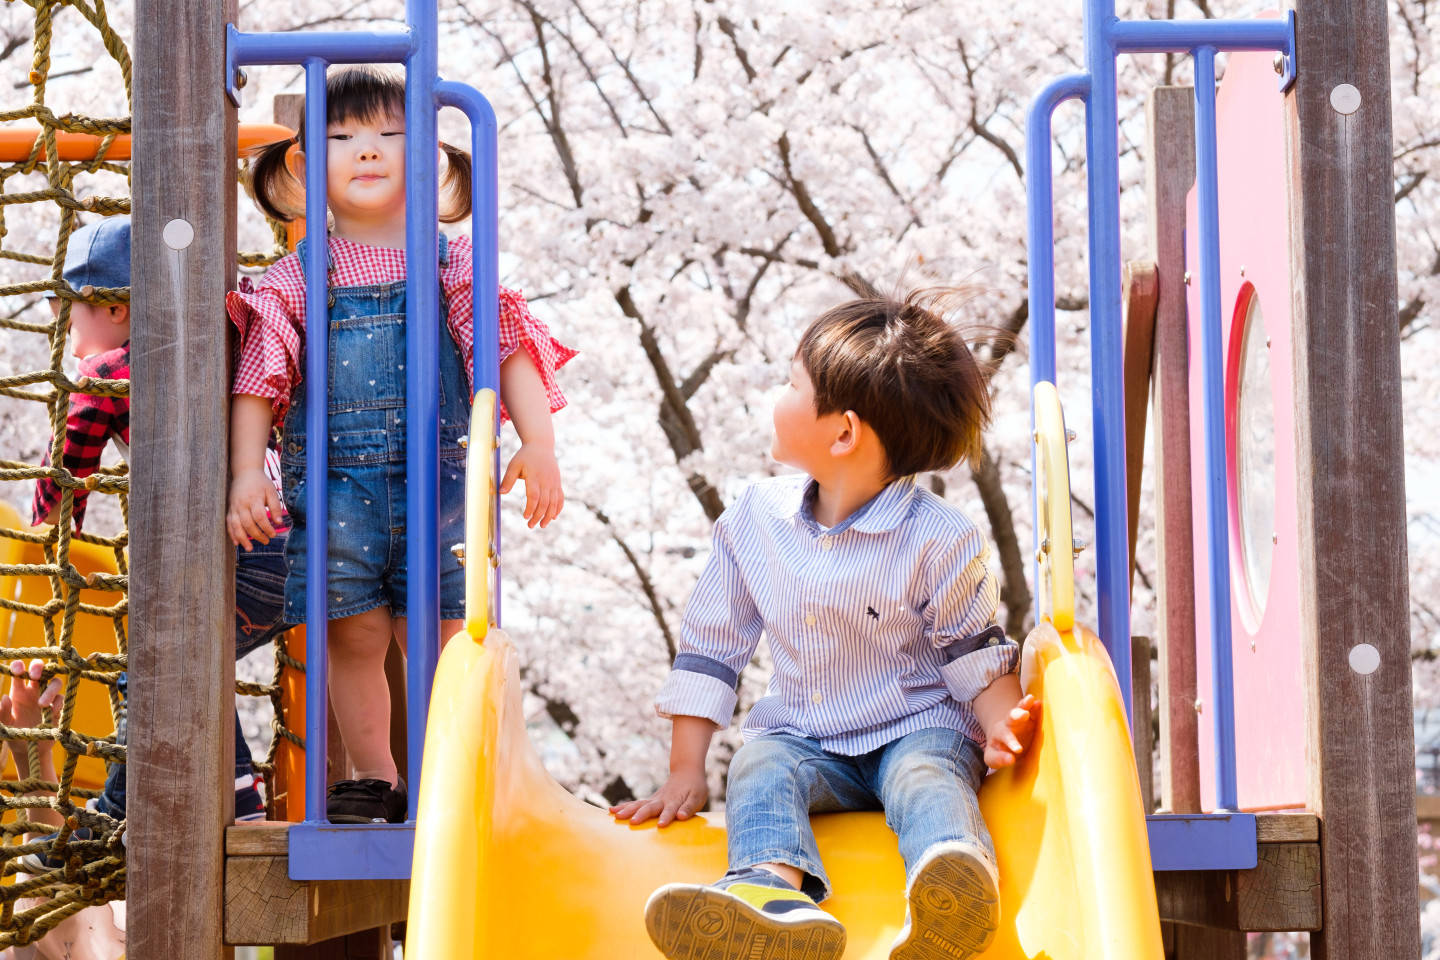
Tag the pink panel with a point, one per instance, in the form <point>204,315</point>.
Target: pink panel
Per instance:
<point>1269,706</point>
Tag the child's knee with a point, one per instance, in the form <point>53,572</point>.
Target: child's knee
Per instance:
<point>767,760</point>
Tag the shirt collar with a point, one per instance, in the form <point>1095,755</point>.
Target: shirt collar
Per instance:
<point>880,514</point>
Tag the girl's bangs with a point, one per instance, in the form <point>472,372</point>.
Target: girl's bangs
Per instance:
<point>365,94</point>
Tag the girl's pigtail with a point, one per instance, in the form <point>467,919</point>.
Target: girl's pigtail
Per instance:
<point>455,196</point>
<point>272,185</point>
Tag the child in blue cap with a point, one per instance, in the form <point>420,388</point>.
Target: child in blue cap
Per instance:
<point>97,259</point>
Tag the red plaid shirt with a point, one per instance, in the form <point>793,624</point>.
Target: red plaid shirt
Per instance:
<point>90,425</point>
<point>271,318</point>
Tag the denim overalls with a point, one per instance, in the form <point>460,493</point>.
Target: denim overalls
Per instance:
<point>367,500</point>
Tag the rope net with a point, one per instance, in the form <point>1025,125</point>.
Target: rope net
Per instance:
<point>63,592</point>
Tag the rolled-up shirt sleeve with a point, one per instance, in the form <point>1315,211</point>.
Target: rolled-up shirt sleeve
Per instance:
<point>964,596</point>
<point>718,636</point>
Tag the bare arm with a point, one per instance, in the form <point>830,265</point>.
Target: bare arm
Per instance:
<point>686,791</point>
<point>253,501</point>
<point>525,398</point>
<point>1007,718</point>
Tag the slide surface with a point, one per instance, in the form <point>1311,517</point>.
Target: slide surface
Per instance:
<point>508,864</point>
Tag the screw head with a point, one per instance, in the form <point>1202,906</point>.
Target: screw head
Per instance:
<point>1242,269</point>
<point>241,79</point>
<point>464,443</point>
<point>1187,278</point>
<point>1279,63</point>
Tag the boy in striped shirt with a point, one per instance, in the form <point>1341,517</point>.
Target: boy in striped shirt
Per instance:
<point>892,688</point>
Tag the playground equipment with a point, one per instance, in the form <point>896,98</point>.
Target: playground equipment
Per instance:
<point>1227,871</point>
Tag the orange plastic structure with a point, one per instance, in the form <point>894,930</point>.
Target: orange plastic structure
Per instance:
<point>93,633</point>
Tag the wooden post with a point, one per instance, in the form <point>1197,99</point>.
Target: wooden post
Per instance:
<point>1140,717</point>
<point>1169,174</point>
<point>1354,614</point>
<point>182,642</point>
<point>1141,292</point>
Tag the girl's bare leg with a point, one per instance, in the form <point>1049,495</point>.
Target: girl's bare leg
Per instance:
<point>359,693</point>
<point>448,629</point>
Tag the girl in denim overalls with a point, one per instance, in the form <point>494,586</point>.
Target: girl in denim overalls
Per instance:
<point>366,480</point>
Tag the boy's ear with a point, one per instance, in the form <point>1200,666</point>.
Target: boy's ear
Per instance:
<point>848,436</point>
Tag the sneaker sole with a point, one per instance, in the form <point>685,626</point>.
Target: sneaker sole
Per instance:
<point>954,909</point>
<point>692,922</point>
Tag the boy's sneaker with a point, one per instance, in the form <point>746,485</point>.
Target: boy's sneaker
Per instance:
<point>38,863</point>
<point>954,905</point>
<point>741,921</point>
<point>367,801</point>
<point>248,804</point>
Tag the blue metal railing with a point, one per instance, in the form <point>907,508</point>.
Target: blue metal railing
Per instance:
<point>319,850</point>
<point>1106,37</point>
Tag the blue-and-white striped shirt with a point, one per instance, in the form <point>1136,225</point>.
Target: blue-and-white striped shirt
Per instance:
<point>878,626</point>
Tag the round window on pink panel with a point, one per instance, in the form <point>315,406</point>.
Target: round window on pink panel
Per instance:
<point>1254,446</point>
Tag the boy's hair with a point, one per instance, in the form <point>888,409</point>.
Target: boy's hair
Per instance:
<point>905,371</point>
<point>362,93</point>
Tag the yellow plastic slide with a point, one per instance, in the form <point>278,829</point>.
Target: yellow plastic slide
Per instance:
<point>510,866</point>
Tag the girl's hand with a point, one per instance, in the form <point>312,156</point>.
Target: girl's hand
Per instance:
<point>535,464</point>
<point>253,502</point>
<point>679,799</point>
<point>1010,736</point>
<point>21,706</point>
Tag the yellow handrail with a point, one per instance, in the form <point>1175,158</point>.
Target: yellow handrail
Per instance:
<point>1055,557</point>
<point>481,557</point>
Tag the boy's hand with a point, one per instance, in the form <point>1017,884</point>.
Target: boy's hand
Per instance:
<point>681,796</point>
<point>253,502</point>
<point>1010,736</point>
<point>535,464</point>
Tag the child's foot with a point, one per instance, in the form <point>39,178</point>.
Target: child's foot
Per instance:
<point>38,863</point>
<point>766,920</point>
<point>249,807</point>
<point>367,801</point>
<point>954,905</point>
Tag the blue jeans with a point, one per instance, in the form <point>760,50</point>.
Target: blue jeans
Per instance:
<point>925,782</point>
<point>259,617</point>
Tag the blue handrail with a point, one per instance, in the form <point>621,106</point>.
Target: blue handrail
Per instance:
<point>319,850</point>
<point>1106,37</point>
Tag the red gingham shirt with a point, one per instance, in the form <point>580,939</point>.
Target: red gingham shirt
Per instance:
<point>91,423</point>
<point>271,318</point>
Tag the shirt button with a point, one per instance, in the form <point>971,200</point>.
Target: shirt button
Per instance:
<point>826,543</point>
<point>809,619</point>
<point>816,697</point>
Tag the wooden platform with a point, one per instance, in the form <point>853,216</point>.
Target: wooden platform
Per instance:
<point>264,906</point>
<point>1282,893</point>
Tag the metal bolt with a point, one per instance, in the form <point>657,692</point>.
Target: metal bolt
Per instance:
<point>1279,63</point>
<point>1199,705</point>
<point>241,79</point>
<point>1035,435</point>
<point>1345,99</point>
<point>1045,545</point>
<point>1187,278</point>
<point>1242,269</point>
<point>458,552</point>
<point>464,443</point>
<point>1267,341</point>
<point>1069,435</point>
<point>1274,538</point>
<point>1252,644</point>
<point>1078,546</point>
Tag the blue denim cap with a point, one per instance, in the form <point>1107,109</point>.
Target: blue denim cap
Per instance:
<point>99,254</point>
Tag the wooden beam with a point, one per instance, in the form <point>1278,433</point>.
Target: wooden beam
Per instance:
<point>366,945</point>
<point>182,663</point>
<point>1351,480</point>
<point>1140,719</point>
<point>1140,297</point>
<point>1282,893</point>
<point>1169,174</point>
<point>270,839</point>
<point>264,906</point>
<point>1287,828</point>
